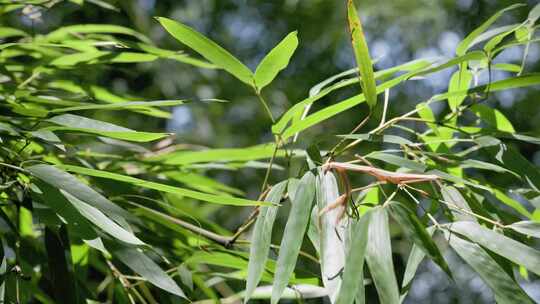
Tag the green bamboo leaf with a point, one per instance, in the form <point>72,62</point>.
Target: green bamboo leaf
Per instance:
<point>413,228</point>
<point>293,234</point>
<point>361,53</point>
<point>512,159</point>
<point>99,219</point>
<point>296,111</point>
<point>8,32</point>
<point>504,287</point>
<point>527,227</point>
<point>208,49</point>
<point>500,244</point>
<point>68,31</point>
<point>216,199</point>
<point>72,185</point>
<point>493,117</point>
<point>335,109</point>
<point>460,81</point>
<point>202,183</point>
<point>453,196</point>
<point>510,202</point>
<point>262,236</point>
<point>218,155</point>
<point>392,139</point>
<point>137,261</point>
<point>75,123</point>
<point>474,55</point>
<point>353,273</point>
<point>534,14</point>
<point>465,44</point>
<point>416,257</point>
<point>379,257</point>
<point>331,245</point>
<point>397,161</point>
<point>275,61</point>
<point>141,105</point>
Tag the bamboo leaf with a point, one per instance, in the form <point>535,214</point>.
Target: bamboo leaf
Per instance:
<point>493,117</point>
<point>527,227</point>
<point>465,44</point>
<point>148,269</point>
<point>219,155</point>
<point>331,247</point>
<point>353,273</point>
<point>75,123</point>
<point>500,244</point>
<point>275,61</point>
<point>262,236</point>
<point>379,257</point>
<point>140,105</point>
<point>293,234</point>
<point>453,196</point>
<point>506,290</point>
<point>72,185</point>
<point>216,199</point>
<point>361,53</point>
<point>413,228</point>
<point>208,49</point>
<point>460,81</point>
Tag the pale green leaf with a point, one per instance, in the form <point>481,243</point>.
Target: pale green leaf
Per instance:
<point>275,61</point>
<point>379,257</point>
<point>505,288</point>
<point>262,236</point>
<point>500,244</point>
<point>148,269</point>
<point>293,234</point>
<point>353,273</point>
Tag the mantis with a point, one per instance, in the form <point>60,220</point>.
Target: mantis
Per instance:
<point>382,176</point>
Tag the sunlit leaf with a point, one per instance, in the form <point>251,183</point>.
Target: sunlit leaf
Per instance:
<point>208,49</point>
<point>275,61</point>
<point>216,199</point>
<point>361,53</point>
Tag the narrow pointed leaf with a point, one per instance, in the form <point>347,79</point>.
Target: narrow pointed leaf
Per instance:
<point>361,53</point>
<point>275,61</point>
<point>500,244</point>
<point>294,234</point>
<point>208,49</point>
<point>72,185</point>
<point>464,45</point>
<point>460,81</point>
<point>75,123</point>
<point>332,234</point>
<point>379,257</point>
<point>148,269</point>
<point>414,229</point>
<point>506,290</point>
<point>262,236</point>
<point>527,227</point>
<point>353,273</point>
<point>216,199</point>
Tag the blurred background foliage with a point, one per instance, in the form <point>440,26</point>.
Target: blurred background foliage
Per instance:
<point>397,31</point>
